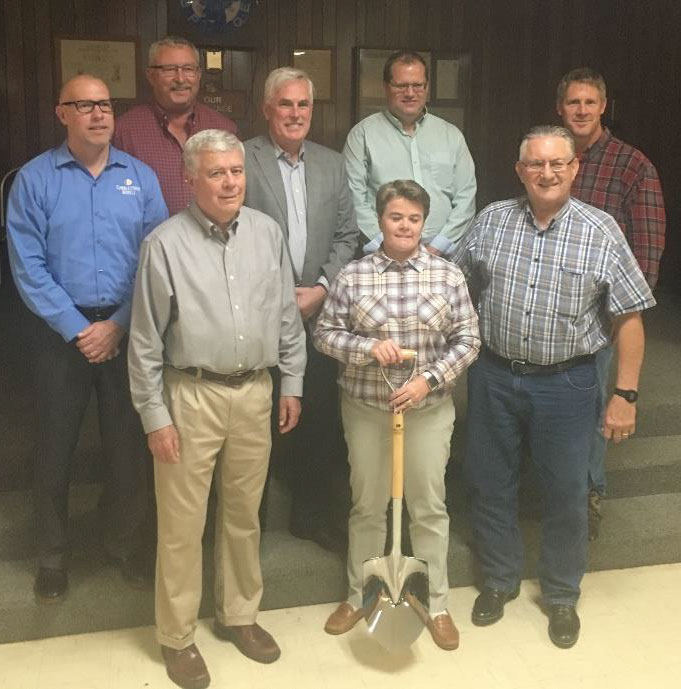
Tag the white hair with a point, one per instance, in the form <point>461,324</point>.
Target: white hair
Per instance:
<point>278,77</point>
<point>212,140</point>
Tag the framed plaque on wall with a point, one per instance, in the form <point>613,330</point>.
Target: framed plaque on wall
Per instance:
<point>114,60</point>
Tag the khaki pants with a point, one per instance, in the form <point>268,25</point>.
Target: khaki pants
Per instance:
<point>427,435</point>
<point>227,431</point>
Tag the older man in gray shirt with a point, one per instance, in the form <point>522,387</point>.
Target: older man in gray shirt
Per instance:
<point>214,307</point>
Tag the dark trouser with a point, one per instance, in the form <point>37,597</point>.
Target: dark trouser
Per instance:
<point>64,380</point>
<point>318,454</point>
<point>556,416</point>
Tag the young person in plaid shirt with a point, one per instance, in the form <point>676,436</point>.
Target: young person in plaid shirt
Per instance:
<point>556,279</point>
<point>156,133</point>
<point>620,180</point>
<point>401,296</point>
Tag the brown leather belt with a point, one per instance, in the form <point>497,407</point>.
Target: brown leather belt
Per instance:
<point>525,368</point>
<point>232,380</point>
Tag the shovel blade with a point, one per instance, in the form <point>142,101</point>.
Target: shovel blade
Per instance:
<point>395,599</point>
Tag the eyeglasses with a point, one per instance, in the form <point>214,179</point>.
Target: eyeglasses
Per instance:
<point>539,165</point>
<point>170,70</point>
<point>87,106</point>
<point>417,87</point>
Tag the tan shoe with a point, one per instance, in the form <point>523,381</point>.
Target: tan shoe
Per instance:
<point>251,639</point>
<point>343,619</point>
<point>186,667</point>
<point>443,631</point>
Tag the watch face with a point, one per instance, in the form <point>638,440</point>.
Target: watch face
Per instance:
<point>629,395</point>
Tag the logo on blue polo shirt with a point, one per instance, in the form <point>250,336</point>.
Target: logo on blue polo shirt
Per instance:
<point>128,188</point>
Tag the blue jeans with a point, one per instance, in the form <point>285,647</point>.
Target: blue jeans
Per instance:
<point>599,444</point>
<point>554,416</point>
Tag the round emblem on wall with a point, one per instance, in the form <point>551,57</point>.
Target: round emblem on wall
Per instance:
<point>216,15</point>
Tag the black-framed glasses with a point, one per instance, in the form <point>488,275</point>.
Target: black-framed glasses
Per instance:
<point>87,106</point>
<point>171,70</point>
<point>539,165</point>
<point>417,87</point>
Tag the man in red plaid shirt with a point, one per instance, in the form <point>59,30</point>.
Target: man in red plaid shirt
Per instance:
<point>156,133</point>
<point>620,180</point>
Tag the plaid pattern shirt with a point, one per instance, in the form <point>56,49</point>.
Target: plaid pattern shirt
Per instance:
<point>620,180</point>
<point>143,132</point>
<point>547,296</point>
<point>421,304</point>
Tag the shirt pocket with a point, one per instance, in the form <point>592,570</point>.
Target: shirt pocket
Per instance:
<point>571,293</point>
<point>441,169</point>
<point>432,310</point>
<point>370,313</point>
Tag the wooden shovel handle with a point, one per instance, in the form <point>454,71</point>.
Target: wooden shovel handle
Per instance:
<point>398,455</point>
<point>408,353</point>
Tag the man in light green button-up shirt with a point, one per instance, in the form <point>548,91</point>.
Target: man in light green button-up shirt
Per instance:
<point>407,142</point>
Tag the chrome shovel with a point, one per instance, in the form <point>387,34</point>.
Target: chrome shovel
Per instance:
<point>395,592</point>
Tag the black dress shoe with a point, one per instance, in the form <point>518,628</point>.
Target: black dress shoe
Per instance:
<point>51,584</point>
<point>137,571</point>
<point>489,605</point>
<point>563,625</point>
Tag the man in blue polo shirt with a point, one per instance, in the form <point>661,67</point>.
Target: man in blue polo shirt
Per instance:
<point>76,217</point>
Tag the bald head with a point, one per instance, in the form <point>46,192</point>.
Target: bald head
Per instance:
<point>85,110</point>
<point>75,84</point>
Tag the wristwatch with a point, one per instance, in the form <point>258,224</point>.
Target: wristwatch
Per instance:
<point>629,395</point>
<point>431,380</point>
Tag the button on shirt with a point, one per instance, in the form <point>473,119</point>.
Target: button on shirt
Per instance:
<point>74,240</point>
<point>143,132</point>
<point>549,295</point>
<point>378,150</point>
<point>421,304</point>
<point>223,304</point>
<point>293,177</point>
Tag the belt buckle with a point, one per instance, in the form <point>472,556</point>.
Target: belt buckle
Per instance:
<point>520,363</point>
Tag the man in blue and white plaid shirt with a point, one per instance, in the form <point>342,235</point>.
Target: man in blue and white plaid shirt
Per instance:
<point>556,282</point>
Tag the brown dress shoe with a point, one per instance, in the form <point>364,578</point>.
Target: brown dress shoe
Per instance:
<point>443,631</point>
<point>343,619</point>
<point>186,667</point>
<point>251,639</point>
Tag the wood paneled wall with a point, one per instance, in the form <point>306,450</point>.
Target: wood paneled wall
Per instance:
<point>519,50</point>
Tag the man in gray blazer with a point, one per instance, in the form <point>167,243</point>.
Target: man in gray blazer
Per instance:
<point>303,186</point>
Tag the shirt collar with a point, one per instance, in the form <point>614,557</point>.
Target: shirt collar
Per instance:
<point>556,218</point>
<point>598,145</point>
<point>64,157</point>
<point>162,115</point>
<point>382,261</point>
<point>282,154</point>
<point>398,125</point>
<point>209,228</point>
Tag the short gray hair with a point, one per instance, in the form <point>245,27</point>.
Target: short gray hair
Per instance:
<point>212,140</point>
<point>171,42</point>
<point>402,189</point>
<point>278,77</point>
<point>544,130</point>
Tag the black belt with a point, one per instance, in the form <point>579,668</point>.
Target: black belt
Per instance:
<point>98,313</point>
<point>525,368</point>
<point>232,380</point>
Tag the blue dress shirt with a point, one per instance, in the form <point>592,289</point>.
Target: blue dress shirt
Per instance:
<point>74,239</point>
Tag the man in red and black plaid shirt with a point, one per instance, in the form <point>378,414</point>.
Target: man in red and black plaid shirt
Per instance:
<point>620,180</point>
<point>156,133</point>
